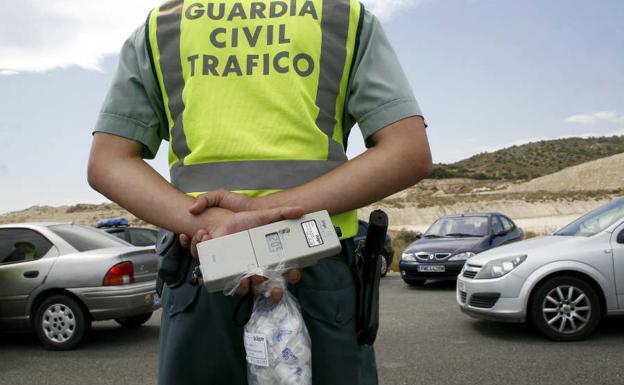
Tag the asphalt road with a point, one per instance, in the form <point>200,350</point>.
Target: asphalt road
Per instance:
<point>424,339</point>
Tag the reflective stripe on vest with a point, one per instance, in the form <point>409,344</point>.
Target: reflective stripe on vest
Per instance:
<point>254,91</point>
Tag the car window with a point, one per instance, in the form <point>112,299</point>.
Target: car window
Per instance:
<point>507,224</point>
<point>83,238</point>
<point>121,234</point>
<point>595,221</point>
<point>497,226</point>
<point>142,237</point>
<point>21,245</point>
<point>459,226</point>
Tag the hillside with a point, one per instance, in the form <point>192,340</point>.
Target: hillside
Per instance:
<point>601,174</point>
<point>87,214</point>
<point>532,160</point>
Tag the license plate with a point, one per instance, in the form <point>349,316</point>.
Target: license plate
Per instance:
<point>461,286</point>
<point>431,268</point>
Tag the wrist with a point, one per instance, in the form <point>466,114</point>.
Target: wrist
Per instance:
<point>270,201</point>
<point>207,220</point>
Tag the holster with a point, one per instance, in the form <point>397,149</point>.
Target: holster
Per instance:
<point>174,260</point>
<point>366,269</point>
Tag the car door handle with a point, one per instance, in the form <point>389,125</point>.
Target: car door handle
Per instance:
<point>31,274</point>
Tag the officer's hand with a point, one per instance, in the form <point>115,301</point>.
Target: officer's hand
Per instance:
<point>224,199</point>
<point>292,277</point>
<point>227,222</point>
<point>235,222</point>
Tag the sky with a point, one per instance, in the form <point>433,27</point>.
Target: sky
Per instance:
<point>487,73</point>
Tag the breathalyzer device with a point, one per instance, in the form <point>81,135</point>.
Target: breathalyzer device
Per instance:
<point>291,243</point>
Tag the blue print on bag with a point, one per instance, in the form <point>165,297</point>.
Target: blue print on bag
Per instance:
<point>281,334</point>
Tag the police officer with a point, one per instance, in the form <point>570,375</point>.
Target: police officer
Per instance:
<point>258,98</point>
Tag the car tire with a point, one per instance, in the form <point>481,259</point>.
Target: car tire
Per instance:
<point>565,308</point>
<point>384,265</point>
<point>415,282</point>
<point>61,323</point>
<point>134,321</point>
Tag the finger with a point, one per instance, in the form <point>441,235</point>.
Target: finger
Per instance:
<point>204,201</point>
<point>256,281</point>
<point>196,239</point>
<point>293,276</point>
<point>243,287</point>
<point>263,217</point>
<point>276,295</point>
<point>292,212</point>
<point>185,241</point>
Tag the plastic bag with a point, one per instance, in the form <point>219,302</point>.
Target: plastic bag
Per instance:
<point>277,342</point>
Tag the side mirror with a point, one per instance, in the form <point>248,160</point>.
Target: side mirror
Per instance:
<point>620,237</point>
<point>418,235</point>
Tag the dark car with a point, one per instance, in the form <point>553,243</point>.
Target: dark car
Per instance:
<point>388,253</point>
<point>119,227</point>
<point>450,241</point>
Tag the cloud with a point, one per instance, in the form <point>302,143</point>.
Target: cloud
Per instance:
<point>385,9</point>
<point>44,35</point>
<point>596,117</point>
<point>38,36</point>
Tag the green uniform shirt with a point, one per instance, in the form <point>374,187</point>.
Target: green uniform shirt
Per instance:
<point>379,93</point>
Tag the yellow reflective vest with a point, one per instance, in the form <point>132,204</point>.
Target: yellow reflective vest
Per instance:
<point>254,91</point>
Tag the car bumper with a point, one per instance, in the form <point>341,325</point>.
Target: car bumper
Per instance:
<point>492,299</point>
<point>411,270</point>
<point>108,302</point>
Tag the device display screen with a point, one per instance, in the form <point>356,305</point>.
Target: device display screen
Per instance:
<point>274,242</point>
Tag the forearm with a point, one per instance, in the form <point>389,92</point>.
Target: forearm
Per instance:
<point>118,173</point>
<point>400,158</point>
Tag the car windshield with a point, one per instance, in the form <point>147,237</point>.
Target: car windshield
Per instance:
<point>595,221</point>
<point>468,226</point>
<point>83,238</point>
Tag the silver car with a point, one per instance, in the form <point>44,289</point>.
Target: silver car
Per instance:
<point>563,283</point>
<point>57,278</point>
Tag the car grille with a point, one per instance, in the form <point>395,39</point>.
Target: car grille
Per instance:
<point>471,271</point>
<point>462,296</point>
<point>484,300</point>
<point>425,257</point>
<point>470,274</point>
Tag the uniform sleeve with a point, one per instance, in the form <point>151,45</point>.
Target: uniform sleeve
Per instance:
<point>379,92</point>
<point>133,106</point>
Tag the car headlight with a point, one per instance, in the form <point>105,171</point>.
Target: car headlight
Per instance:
<point>408,257</point>
<point>500,267</point>
<point>462,256</point>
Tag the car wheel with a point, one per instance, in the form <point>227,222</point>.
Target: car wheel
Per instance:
<point>61,323</point>
<point>384,265</point>
<point>415,282</point>
<point>134,321</point>
<point>565,309</point>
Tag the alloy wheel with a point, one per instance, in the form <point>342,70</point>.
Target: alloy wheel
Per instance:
<point>566,309</point>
